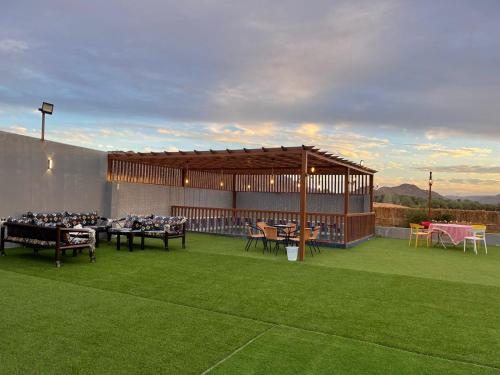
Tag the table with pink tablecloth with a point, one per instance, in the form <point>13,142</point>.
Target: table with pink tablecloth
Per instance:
<point>456,232</point>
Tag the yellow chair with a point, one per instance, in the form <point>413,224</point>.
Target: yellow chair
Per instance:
<point>478,235</point>
<point>418,230</point>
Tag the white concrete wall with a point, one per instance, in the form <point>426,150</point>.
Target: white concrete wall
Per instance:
<point>143,199</point>
<point>77,181</point>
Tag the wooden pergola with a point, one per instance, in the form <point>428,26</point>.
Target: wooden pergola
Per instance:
<point>281,169</point>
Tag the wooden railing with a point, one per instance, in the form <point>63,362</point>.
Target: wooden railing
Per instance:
<point>233,221</point>
<point>359,226</point>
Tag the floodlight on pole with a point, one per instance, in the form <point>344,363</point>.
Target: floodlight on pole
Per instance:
<point>46,108</point>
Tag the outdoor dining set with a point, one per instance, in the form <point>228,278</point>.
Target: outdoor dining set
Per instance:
<point>276,236</point>
<point>455,233</point>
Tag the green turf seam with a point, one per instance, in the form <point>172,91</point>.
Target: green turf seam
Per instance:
<point>271,323</point>
<point>238,349</point>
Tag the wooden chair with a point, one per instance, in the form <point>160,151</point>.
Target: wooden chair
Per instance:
<point>290,230</point>
<point>314,238</point>
<point>271,234</point>
<point>254,234</point>
<point>478,235</point>
<point>418,230</point>
<point>308,235</point>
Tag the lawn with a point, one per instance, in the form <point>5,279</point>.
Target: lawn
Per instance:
<point>381,307</point>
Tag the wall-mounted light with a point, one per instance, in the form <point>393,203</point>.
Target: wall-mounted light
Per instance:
<point>50,164</point>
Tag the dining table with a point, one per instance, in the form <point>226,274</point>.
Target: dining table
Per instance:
<point>456,232</point>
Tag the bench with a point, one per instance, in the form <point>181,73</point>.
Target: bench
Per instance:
<point>71,219</point>
<point>45,237</point>
<point>151,226</point>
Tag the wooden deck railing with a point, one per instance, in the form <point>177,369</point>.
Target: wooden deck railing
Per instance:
<point>360,225</point>
<point>233,221</point>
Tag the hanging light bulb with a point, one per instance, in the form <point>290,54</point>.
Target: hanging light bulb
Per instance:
<point>313,169</point>
<point>272,176</point>
<point>248,187</point>
<point>186,175</point>
<point>221,179</point>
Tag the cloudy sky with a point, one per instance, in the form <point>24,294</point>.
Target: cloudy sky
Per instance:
<point>406,86</point>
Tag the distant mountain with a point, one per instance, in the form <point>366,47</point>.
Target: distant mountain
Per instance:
<point>408,190</point>
<point>484,199</point>
<point>412,196</point>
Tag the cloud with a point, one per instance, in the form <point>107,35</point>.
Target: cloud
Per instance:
<point>443,133</point>
<point>479,169</point>
<point>438,150</point>
<point>410,65</point>
<point>473,181</point>
<point>11,46</point>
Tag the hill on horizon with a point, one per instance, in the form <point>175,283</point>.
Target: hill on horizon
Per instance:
<point>408,190</point>
<point>412,196</point>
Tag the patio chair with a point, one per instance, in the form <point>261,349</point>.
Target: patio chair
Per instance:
<point>418,230</point>
<point>478,236</point>
<point>261,225</point>
<point>254,234</point>
<point>291,229</point>
<point>271,235</point>
<point>314,238</point>
<point>309,236</point>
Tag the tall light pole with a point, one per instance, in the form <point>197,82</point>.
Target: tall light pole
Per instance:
<point>430,194</point>
<point>46,108</point>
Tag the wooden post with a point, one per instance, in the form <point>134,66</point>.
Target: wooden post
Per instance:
<point>303,206</point>
<point>430,204</point>
<point>234,191</point>
<point>430,196</point>
<point>346,205</point>
<point>371,193</point>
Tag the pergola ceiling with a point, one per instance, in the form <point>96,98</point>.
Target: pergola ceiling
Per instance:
<point>246,161</point>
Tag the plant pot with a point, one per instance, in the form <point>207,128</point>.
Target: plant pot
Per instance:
<point>292,252</point>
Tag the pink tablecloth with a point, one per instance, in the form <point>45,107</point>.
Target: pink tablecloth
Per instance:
<point>456,232</point>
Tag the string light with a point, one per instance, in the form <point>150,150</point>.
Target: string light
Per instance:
<point>186,178</point>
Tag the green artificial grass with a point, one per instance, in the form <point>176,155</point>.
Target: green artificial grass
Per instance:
<point>378,308</point>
